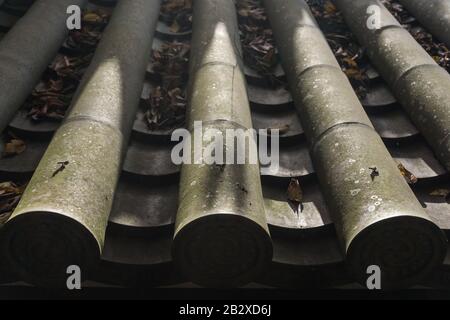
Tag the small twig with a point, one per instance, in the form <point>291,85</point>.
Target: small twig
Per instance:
<point>62,167</point>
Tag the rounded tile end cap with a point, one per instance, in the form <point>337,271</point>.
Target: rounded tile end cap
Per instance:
<point>40,247</point>
<point>407,249</point>
<point>222,250</point>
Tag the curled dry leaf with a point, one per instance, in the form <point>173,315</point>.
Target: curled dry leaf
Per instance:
<point>12,145</point>
<point>281,130</point>
<point>295,195</point>
<point>409,177</point>
<point>443,193</point>
<point>98,17</point>
<point>10,194</point>
<point>13,148</point>
<point>295,192</point>
<point>330,8</point>
<point>177,14</point>
<point>175,27</point>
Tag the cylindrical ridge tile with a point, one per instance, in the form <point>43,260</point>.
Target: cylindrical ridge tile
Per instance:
<point>221,233</point>
<point>425,93</point>
<point>408,69</point>
<point>27,49</point>
<point>62,217</point>
<point>377,217</point>
<point>379,220</point>
<point>433,15</point>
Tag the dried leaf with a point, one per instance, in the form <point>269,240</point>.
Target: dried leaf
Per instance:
<point>352,63</point>
<point>295,195</point>
<point>92,17</point>
<point>177,14</point>
<point>443,193</point>
<point>175,27</point>
<point>440,193</point>
<point>354,73</point>
<point>14,147</point>
<point>295,192</point>
<point>282,130</point>
<point>8,188</point>
<point>329,7</point>
<point>4,217</point>
<point>10,194</point>
<point>409,177</point>
<point>170,6</point>
<point>244,12</point>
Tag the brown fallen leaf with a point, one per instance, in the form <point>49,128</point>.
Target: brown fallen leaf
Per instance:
<point>352,63</point>
<point>169,6</point>
<point>244,12</point>
<point>282,130</point>
<point>92,17</point>
<point>409,177</point>
<point>329,7</point>
<point>295,194</point>
<point>177,14</point>
<point>14,147</point>
<point>9,187</point>
<point>354,73</point>
<point>443,193</point>
<point>10,194</point>
<point>175,27</point>
<point>4,217</point>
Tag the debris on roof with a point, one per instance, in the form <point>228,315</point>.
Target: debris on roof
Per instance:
<point>10,194</point>
<point>438,50</point>
<point>51,98</point>
<point>21,67</point>
<point>13,145</point>
<point>434,15</point>
<point>177,14</point>
<point>413,75</point>
<point>257,40</point>
<point>167,102</point>
<point>350,55</point>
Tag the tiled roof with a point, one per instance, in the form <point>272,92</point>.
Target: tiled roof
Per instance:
<point>307,248</point>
